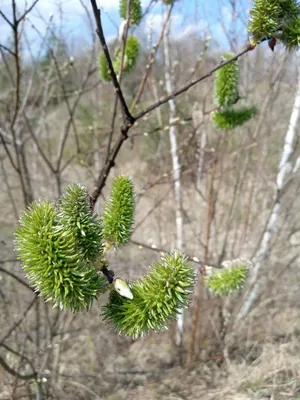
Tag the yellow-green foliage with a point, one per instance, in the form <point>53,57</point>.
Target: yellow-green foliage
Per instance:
<point>135,11</point>
<point>131,54</point>
<point>226,83</point>
<point>278,19</point>
<point>56,247</point>
<point>232,118</point>
<point>227,280</point>
<point>157,298</point>
<point>103,68</point>
<point>119,212</point>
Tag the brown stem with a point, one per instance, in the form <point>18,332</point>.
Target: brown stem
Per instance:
<point>150,62</point>
<point>199,289</point>
<point>190,84</point>
<point>97,14</point>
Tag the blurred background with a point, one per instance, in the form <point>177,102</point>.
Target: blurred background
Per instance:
<point>57,117</point>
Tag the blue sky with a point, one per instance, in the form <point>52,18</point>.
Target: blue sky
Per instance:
<point>202,16</point>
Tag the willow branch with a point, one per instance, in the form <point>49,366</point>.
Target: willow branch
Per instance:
<point>189,85</point>
<point>100,33</point>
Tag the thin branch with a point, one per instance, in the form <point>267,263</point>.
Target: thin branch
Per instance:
<point>114,114</point>
<point>7,49</point>
<point>66,99</point>
<point>161,251</point>
<point>18,322</point>
<point>6,19</point>
<point>150,62</point>
<point>191,84</point>
<point>97,13</point>
<point>16,277</point>
<point>27,11</point>
<point>9,155</point>
<point>29,362</point>
<point>100,182</point>
<point>16,373</point>
<point>156,205</point>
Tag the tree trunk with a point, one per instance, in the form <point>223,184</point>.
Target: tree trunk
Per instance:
<point>176,172</point>
<point>284,169</point>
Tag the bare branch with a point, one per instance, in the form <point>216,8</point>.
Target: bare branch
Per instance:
<point>27,11</point>
<point>16,373</point>
<point>151,61</point>
<point>18,322</point>
<point>159,250</point>
<point>97,13</point>
<point>191,84</point>
<point>16,277</point>
<point>6,19</point>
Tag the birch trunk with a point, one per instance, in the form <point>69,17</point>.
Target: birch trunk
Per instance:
<point>176,170</point>
<point>284,170</point>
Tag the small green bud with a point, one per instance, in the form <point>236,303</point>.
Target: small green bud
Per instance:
<point>122,288</point>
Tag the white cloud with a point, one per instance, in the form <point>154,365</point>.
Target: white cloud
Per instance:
<point>68,14</point>
<point>179,27</point>
<point>226,14</point>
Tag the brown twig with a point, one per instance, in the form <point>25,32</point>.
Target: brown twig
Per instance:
<point>130,120</point>
<point>150,62</point>
<point>16,277</point>
<point>18,322</point>
<point>27,11</point>
<point>199,288</point>
<point>16,373</point>
<point>115,108</point>
<point>97,14</point>
<point>161,251</point>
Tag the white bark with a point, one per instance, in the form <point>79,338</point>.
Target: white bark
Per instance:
<point>176,171</point>
<point>284,169</point>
